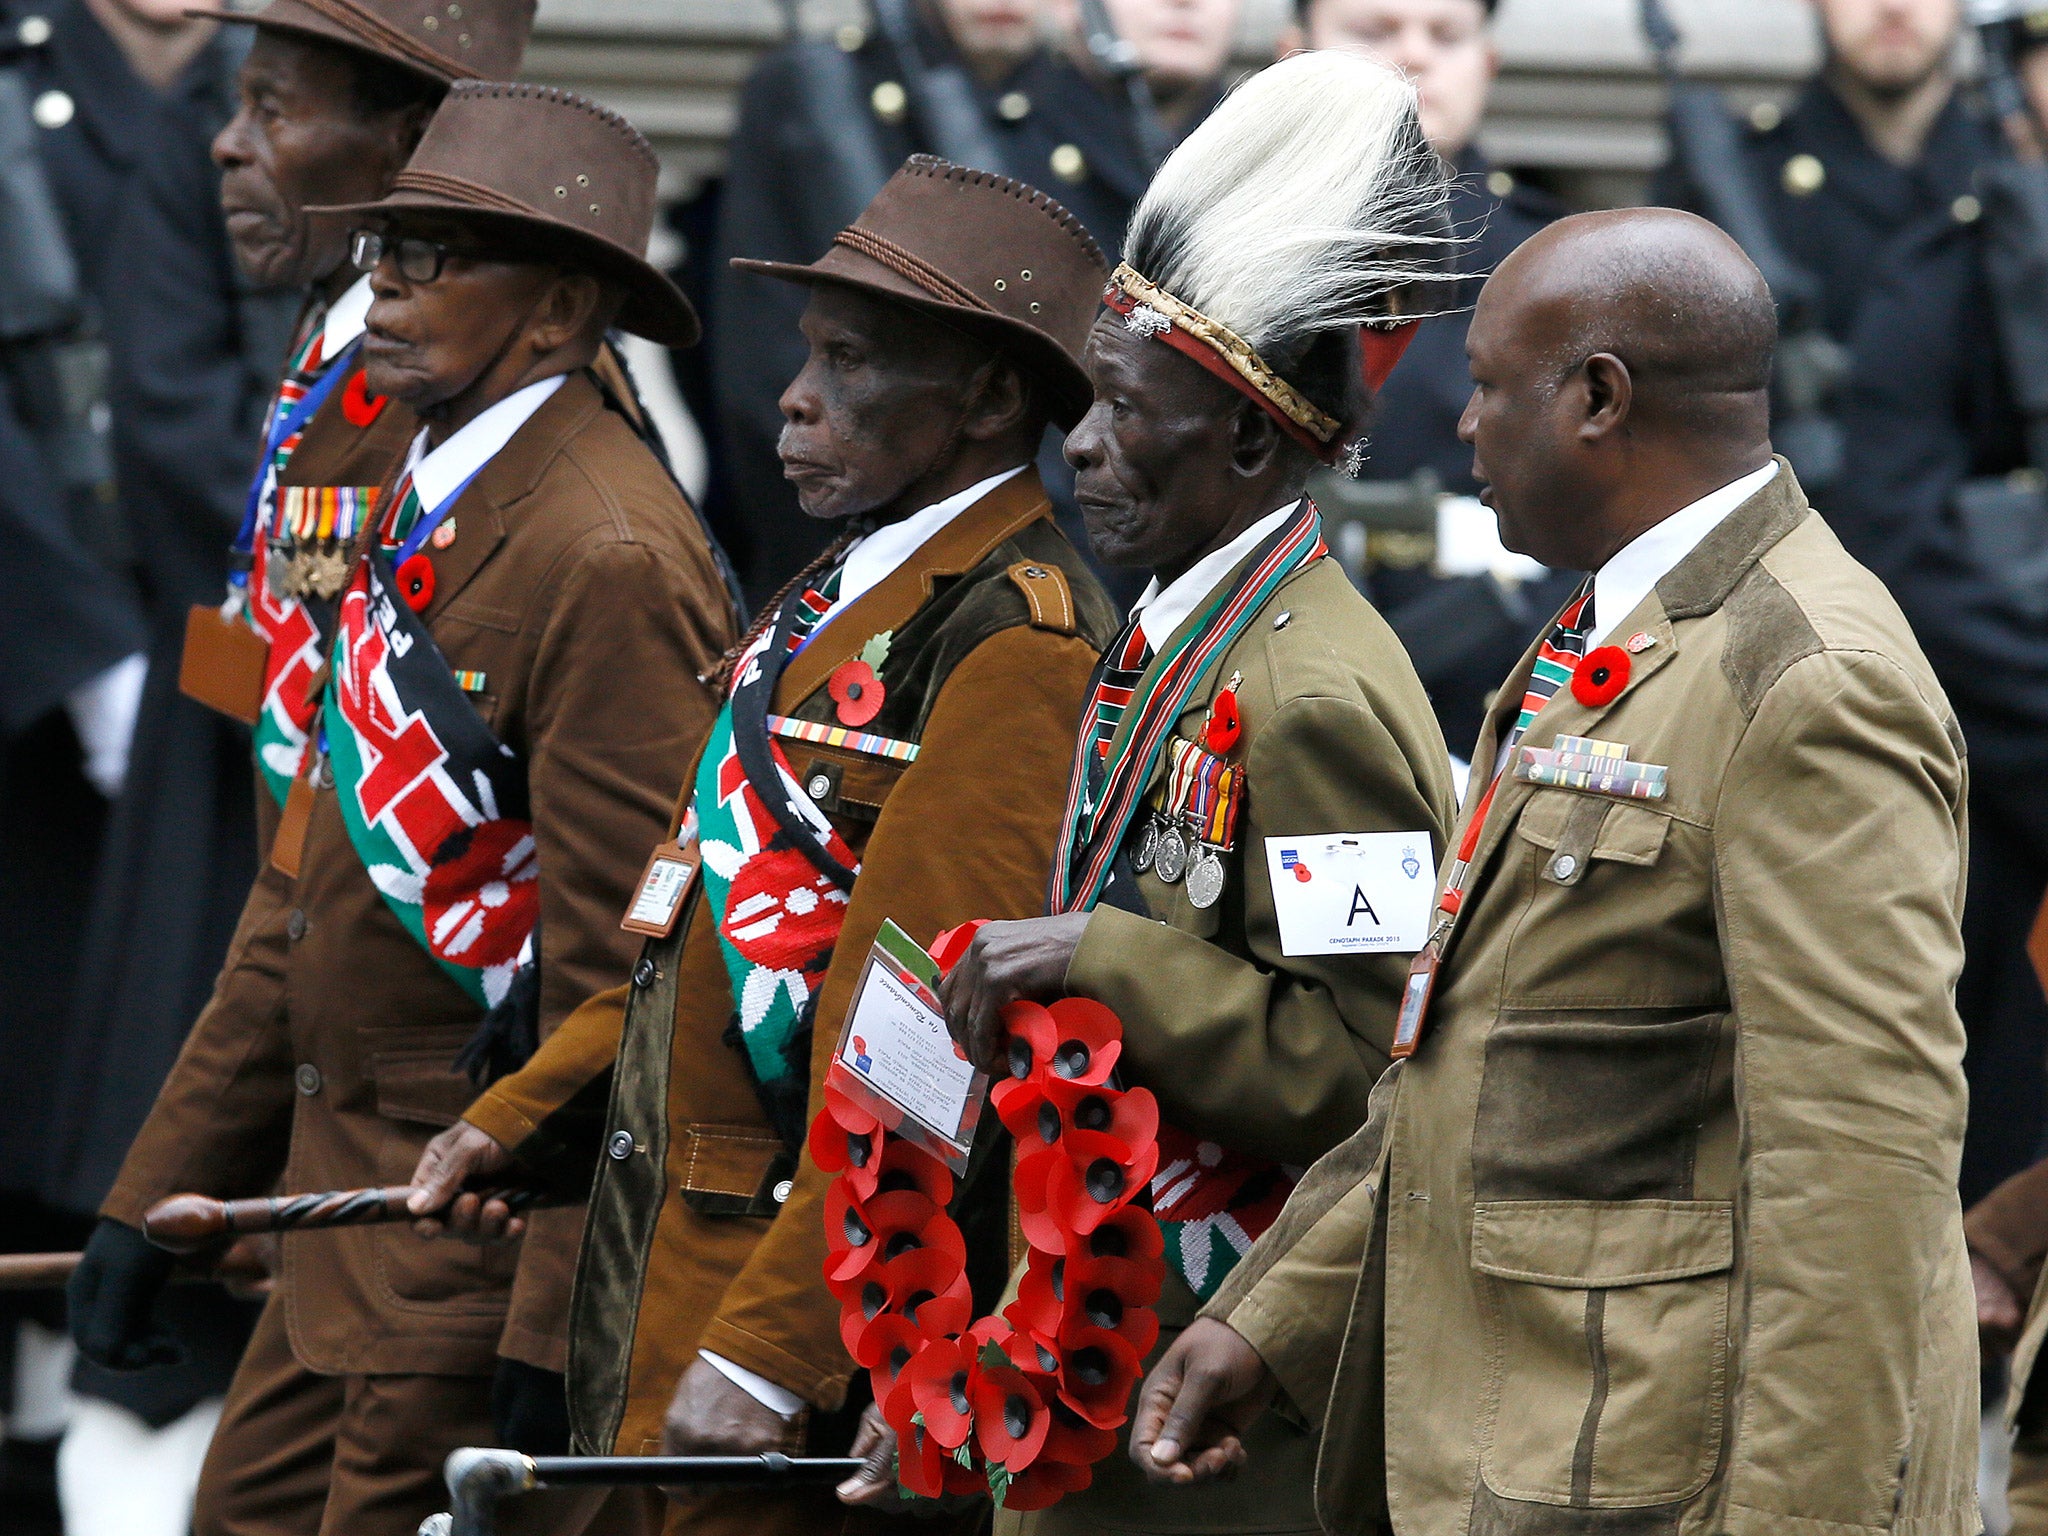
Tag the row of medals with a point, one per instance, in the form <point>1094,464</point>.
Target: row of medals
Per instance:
<point>310,567</point>
<point>1171,852</point>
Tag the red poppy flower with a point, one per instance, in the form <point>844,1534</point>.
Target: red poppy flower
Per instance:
<point>1117,1294</point>
<point>1090,1040</point>
<point>921,1461</point>
<point>1131,1233</point>
<point>1224,726</point>
<point>1600,676</point>
<point>1046,1481</point>
<point>1032,1184</point>
<point>925,1283</point>
<point>1040,1304</point>
<point>905,1165</point>
<point>1010,1418</point>
<point>358,405</point>
<point>835,1149</point>
<point>857,692</point>
<point>849,1111</point>
<point>939,1379</point>
<point>1095,1176</point>
<point>950,947</point>
<point>896,1341</point>
<point>1131,1116</point>
<point>858,1237</point>
<point>416,581</point>
<point>1074,1440</point>
<point>1098,1370</point>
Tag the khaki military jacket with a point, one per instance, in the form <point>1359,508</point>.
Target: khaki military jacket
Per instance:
<point>580,587</point>
<point>1265,1053</point>
<point>703,1232</point>
<point>1657,1231</point>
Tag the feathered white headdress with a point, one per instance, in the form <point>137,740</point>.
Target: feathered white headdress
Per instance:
<point>1304,201</point>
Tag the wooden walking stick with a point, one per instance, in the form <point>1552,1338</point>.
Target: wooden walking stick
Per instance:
<point>36,1271</point>
<point>189,1223</point>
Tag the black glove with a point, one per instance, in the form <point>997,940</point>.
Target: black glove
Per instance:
<point>530,1409</point>
<point>111,1296</point>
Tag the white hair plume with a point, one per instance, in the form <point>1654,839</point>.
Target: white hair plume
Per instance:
<point>1298,205</point>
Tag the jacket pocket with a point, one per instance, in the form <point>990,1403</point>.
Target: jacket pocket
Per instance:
<point>413,1071</point>
<point>1578,830</point>
<point>1609,1337</point>
<point>733,1170</point>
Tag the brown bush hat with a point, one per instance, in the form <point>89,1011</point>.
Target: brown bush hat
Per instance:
<point>447,40</point>
<point>993,256</point>
<point>552,176</point>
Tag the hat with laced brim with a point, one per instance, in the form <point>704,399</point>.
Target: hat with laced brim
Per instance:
<point>445,40</point>
<point>543,175</point>
<point>988,255</point>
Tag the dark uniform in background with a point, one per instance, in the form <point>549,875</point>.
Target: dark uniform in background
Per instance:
<point>1465,633</point>
<point>105,510</point>
<point>1926,410</point>
<point>823,123</point>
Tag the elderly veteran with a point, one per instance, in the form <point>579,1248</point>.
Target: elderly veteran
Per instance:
<point>1270,726</point>
<point>1654,1228</point>
<point>893,745</point>
<point>482,786</point>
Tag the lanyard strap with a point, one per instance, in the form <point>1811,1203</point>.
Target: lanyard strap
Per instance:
<point>280,433</point>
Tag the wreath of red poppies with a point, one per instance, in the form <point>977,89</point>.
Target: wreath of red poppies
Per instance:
<point>1020,1406</point>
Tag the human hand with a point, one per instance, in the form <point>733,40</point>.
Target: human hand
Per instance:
<point>874,1485</point>
<point>1999,1312</point>
<point>1006,961</point>
<point>111,1296</point>
<point>712,1415</point>
<point>250,1267</point>
<point>451,1160</point>
<point>1208,1386</point>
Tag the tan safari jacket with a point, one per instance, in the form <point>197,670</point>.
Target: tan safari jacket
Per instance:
<point>1657,1233</point>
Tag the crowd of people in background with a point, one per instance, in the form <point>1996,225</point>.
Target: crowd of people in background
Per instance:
<point>138,358</point>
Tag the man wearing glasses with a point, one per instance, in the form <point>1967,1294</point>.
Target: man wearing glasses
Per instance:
<point>506,638</point>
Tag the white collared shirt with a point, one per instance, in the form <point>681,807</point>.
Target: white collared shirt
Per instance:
<point>439,473</point>
<point>346,318</point>
<point>868,563</point>
<point>1160,613</point>
<point>1630,574</point>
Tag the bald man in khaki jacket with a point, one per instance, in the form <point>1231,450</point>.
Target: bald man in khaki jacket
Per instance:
<point>1656,1230</point>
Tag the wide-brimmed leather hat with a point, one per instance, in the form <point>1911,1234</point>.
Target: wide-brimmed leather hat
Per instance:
<point>995,257</point>
<point>552,175</point>
<point>446,40</point>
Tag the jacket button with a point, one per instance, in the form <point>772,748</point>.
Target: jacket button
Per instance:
<point>644,973</point>
<point>819,787</point>
<point>1281,620</point>
<point>295,925</point>
<point>1564,866</point>
<point>307,1077</point>
<point>620,1146</point>
<point>782,1190</point>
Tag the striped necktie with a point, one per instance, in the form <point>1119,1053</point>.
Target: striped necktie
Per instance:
<point>1123,665</point>
<point>1562,650</point>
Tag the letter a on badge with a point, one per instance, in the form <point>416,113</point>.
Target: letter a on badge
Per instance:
<point>1359,903</point>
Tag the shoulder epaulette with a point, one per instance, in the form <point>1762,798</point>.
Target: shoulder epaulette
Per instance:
<point>1047,594</point>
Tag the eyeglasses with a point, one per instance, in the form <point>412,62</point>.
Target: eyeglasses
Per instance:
<point>419,260</point>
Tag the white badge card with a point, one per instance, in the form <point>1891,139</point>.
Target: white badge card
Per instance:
<point>1341,893</point>
<point>897,1059</point>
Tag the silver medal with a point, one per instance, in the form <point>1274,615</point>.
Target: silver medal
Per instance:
<point>1148,845</point>
<point>1205,877</point>
<point>1172,860</point>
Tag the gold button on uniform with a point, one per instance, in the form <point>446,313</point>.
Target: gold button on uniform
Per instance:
<point>1014,107</point>
<point>53,109</point>
<point>1069,164</point>
<point>1966,209</point>
<point>890,101</point>
<point>1500,183</point>
<point>1803,175</point>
